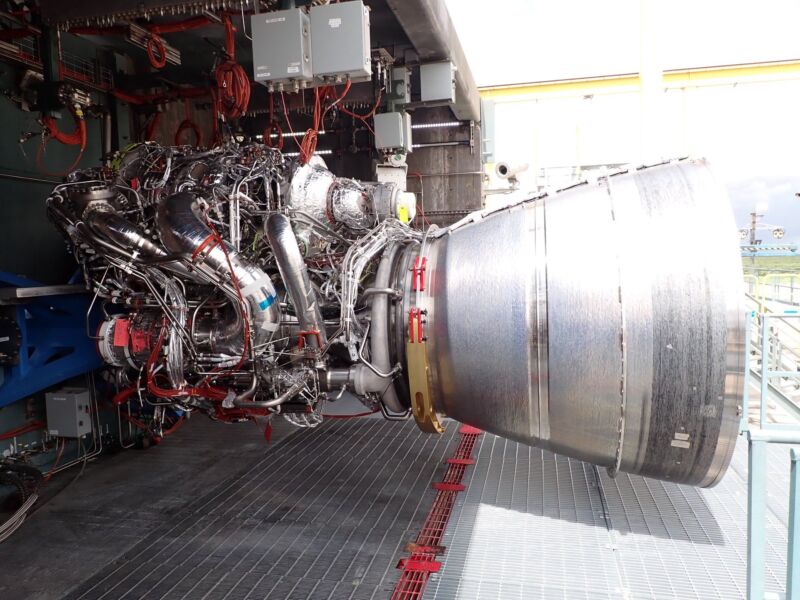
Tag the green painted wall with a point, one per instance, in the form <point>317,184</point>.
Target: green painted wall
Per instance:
<point>29,244</point>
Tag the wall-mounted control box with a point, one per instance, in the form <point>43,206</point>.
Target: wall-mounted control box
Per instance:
<point>340,41</point>
<point>282,48</point>
<point>69,412</point>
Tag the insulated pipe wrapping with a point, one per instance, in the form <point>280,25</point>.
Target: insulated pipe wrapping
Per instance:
<point>294,274</point>
<point>180,224</point>
<point>604,323</point>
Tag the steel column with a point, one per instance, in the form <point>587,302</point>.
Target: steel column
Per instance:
<point>792,557</point>
<point>756,517</point>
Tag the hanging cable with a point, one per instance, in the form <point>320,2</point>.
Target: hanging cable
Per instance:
<point>233,84</point>
<point>187,124</point>
<point>152,126</point>
<point>273,128</point>
<point>75,138</point>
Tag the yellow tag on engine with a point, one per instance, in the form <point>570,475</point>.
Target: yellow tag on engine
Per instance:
<point>402,213</point>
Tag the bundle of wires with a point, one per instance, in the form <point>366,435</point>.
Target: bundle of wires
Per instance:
<point>325,96</point>
<point>273,128</point>
<point>26,480</point>
<point>325,99</point>
<point>233,84</point>
<point>75,138</point>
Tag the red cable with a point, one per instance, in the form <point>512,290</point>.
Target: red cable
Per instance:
<point>150,131</point>
<point>177,425</point>
<point>216,136</point>
<point>22,429</point>
<point>368,115</point>
<point>288,122</point>
<point>235,281</point>
<point>233,84</point>
<point>187,123</point>
<point>355,416</point>
<point>75,138</point>
<point>55,464</point>
<point>155,44</point>
<point>273,127</point>
<point>309,144</point>
<point>123,396</point>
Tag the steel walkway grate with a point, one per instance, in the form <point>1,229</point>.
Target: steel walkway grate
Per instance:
<point>325,514</point>
<point>533,525</point>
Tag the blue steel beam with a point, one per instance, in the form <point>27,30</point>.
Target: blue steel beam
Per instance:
<point>54,344</point>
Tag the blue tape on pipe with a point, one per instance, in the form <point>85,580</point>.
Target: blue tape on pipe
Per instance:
<point>265,304</point>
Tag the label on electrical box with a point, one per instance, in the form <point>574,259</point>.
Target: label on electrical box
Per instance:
<point>293,70</point>
<point>335,23</point>
<point>276,20</point>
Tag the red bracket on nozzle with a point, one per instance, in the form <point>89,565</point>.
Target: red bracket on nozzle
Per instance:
<point>420,265</point>
<point>415,325</point>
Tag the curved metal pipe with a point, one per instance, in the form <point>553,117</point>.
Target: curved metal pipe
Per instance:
<point>379,337</point>
<point>239,402</point>
<point>125,234</point>
<point>295,277</point>
<point>180,224</point>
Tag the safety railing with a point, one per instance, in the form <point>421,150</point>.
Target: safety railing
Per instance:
<point>757,440</point>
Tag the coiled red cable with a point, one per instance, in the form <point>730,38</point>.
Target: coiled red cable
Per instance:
<point>156,52</point>
<point>77,137</point>
<point>233,84</point>
<point>188,124</point>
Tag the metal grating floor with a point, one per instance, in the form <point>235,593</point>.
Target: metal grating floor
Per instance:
<point>326,514</point>
<point>533,525</point>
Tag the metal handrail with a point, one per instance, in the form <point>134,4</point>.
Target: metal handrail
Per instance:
<point>757,440</point>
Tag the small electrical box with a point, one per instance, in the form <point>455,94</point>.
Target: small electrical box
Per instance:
<point>400,94</point>
<point>437,82</point>
<point>393,131</point>
<point>340,41</point>
<point>69,412</point>
<point>282,48</point>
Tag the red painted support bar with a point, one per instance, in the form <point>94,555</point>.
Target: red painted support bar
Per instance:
<point>421,562</point>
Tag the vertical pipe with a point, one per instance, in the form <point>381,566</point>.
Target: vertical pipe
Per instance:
<point>107,126</point>
<point>793,558</point>
<point>762,411</point>
<point>294,273</point>
<point>748,334</point>
<point>756,517</point>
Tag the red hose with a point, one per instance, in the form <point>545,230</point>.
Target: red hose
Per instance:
<point>273,128</point>
<point>154,44</point>
<point>187,123</point>
<point>188,24</point>
<point>175,427</point>
<point>22,429</point>
<point>233,84</point>
<point>152,125</point>
<point>75,138</point>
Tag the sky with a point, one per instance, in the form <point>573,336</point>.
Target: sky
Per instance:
<point>522,41</point>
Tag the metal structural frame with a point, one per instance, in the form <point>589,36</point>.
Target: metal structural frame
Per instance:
<point>757,440</point>
<point>54,345</point>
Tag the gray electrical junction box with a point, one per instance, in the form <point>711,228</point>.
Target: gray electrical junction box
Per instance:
<point>282,48</point>
<point>69,412</point>
<point>340,41</point>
